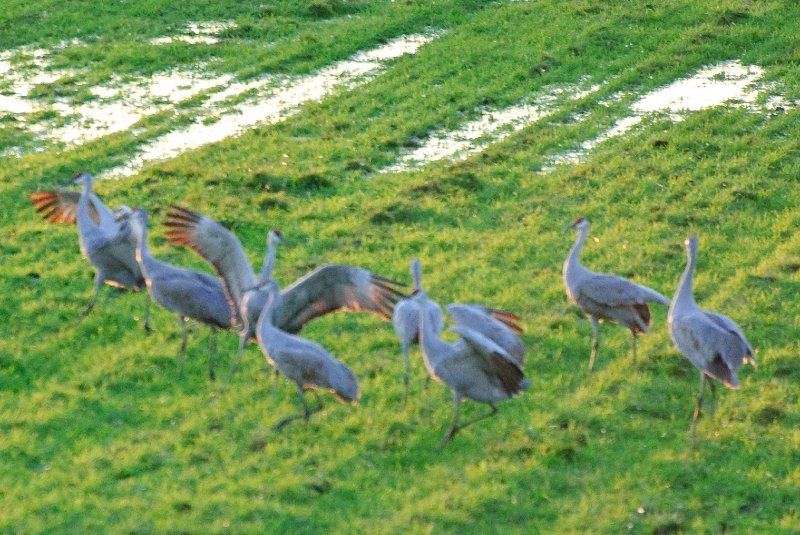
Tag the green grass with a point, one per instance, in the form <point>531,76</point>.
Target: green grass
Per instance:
<point>98,434</point>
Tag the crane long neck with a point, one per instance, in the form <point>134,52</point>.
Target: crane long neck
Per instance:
<point>433,347</point>
<point>573,261</point>
<point>269,263</point>
<point>146,260</point>
<point>416,272</point>
<point>83,216</point>
<point>684,296</point>
<point>265,324</point>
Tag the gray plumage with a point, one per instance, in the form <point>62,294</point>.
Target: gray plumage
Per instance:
<point>104,236</point>
<point>406,319</point>
<point>474,367</point>
<point>187,293</point>
<point>222,249</point>
<point>497,325</point>
<point>711,341</point>
<point>329,288</point>
<point>305,362</point>
<point>604,296</point>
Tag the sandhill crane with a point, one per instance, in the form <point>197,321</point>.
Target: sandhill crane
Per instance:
<point>474,367</point>
<point>306,363</point>
<point>711,341</point>
<point>604,296</point>
<point>187,293</point>
<point>223,250</point>
<point>327,289</point>
<point>406,319</point>
<point>104,236</point>
<point>497,325</point>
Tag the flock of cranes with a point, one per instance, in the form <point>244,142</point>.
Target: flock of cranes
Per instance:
<point>484,364</point>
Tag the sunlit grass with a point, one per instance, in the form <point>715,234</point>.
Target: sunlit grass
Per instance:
<point>99,434</point>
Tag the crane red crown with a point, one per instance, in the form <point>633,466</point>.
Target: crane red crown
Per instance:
<point>579,219</point>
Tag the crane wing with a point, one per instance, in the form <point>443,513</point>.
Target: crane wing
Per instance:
<point>724,322</point>
<point>61,206</point>
<point>218,245</point>
<point>497,325</point>
<point>714,349</point>
<point>335,287</point>
<point>117,254</point>
<point>496,362</point>
<point>612,290</point>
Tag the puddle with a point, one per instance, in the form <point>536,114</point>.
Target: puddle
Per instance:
<point>119,106</point>
<point>491,127</point>
<point>728,83</point>
<point>227,112</point>
<point>196,33</point>
<point>275,104</point>
<point>26,71</point>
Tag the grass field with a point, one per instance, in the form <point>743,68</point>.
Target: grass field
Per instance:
<point>98,434</point>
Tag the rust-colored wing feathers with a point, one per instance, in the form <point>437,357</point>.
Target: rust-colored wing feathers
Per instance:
<point>335,287</point>
<point>508,319</point>
<point>219,246</point>
<point>61,206</point>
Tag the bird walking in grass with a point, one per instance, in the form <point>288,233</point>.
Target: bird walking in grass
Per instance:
<point>497,325</point>
<point>711,341</point>
<point>305,362</point>
<point>604,296</point>
<point>104,236</point>
<point>222,249</point>
<point>473,367</point>
<point>187,293</point>
<point>327,289</point>
<point>406,319</point>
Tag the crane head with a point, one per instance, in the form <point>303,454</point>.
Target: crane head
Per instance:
<point>81,177</point>
<point>122,212</point>
<point>579,223</point>
<point>691,243</point>
<point>275,236</point>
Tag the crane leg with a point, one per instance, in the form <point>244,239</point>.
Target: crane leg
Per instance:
<point>306,411</point>
<point>699,402</point>
<point>212,350</point>
<point>182,351</point>
<point>713,395</point>
<point>634,346</point>
<point>405,375</point>
<point>275,376</point>
<point>428,395</point>
<point>98,284</point>
<point>458,427</point>
<point>595,342</point>
<point>243,337</point>
<point>455,428</point>
<point>147,328</point>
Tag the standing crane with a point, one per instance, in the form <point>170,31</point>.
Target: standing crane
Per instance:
<point>474,366</point>
<point>329,288</point>
<point>222,249</point>
<point>604,296</point>
<point>104,236</point>
<point>187,293</point>
<point>497,325</point>
<point>305,362</point>
<point>711,341</point>
<point>406,319</point>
